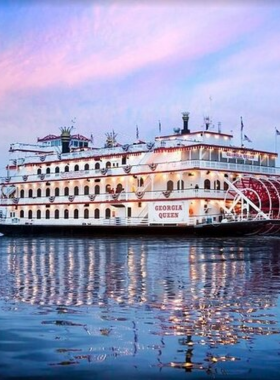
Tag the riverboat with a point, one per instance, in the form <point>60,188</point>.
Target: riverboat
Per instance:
<point>187,182</point>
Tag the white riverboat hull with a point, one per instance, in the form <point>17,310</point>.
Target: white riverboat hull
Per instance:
<point>242,228</point>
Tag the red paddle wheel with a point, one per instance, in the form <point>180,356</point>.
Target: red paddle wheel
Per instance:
<point>251,197</point>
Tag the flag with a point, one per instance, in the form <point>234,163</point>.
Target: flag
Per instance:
<point>159,126</point>
<point>277,132</point>
<point>246,138</point>
<point>137,132</point>
<point>242,125</point>
<point>91,138</point>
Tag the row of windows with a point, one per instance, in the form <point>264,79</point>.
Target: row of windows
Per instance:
<point>78,167</point>
<point>38,193</point>
<point>207,185</point>
<point>119,188</point>
<point>66,169</point>
<point>64,214</point>
<point>217,185</point>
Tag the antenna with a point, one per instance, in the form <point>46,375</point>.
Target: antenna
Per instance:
<point>73,121</point>
<point>208,115</point>
<point>207,122</point>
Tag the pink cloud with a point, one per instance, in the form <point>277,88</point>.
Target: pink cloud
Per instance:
<point>136,64</point>
<point>117,41</point>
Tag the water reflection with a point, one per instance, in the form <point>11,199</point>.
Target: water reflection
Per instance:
<point>205,293</point>
<point>73,272</point>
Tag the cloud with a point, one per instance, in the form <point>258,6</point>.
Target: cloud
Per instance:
<point>122,65</point>
<point>104,43</point>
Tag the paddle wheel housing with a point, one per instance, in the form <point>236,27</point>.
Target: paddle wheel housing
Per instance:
<point>249,197</point>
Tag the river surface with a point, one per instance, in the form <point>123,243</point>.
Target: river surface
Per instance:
<point>139,308</point>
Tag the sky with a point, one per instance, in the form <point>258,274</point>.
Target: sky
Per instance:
<point>115,65</point>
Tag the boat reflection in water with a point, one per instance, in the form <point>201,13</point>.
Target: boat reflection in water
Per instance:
<point>201,305</point>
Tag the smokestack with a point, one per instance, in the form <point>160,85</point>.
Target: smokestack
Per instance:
<point>65,139</point>
<point>185,118</point>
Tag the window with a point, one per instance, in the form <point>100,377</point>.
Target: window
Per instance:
<point>124,160</point>
<point>22,193</point>
<point>217,185</point>
<point>56,214</point>
<point>207,184</point>
<point>21,214</point>
<point>47,214</point>
<point>86,213</point>
<point>66,191</point>
<point>56,191</point>
<point>86,166</point>
<point>97,166</point>
<point>76,190</point>
<point>48,170</point>
<point>66,169</point>
<point>66,214</point>
<point>76,214</point>
<point>30,214</point>
<point>56,170</point>
<point>170,185</point>
<point>140,182</point>
<point>129,212</point>
<point>97,189</point>
<point>39,171</point>
<point>48,192</point>
<point>225,186</point>
<point>180,185</point>
<point>96,213</point>
<point>86,190</point>
<point>30,193</point>
<point>119,188</point>
<point>108,188</point>
<point>39,193</point>
<point>76,168</point>
<point>38,214</point>
<point>107,213</point>
<point>108,164</point>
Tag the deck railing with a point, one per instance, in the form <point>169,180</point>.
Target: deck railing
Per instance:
<point>114,221</point>
<point>116,198</point>
<point>143,169</point>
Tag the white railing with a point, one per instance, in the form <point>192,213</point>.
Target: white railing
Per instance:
<point>123,196</point>
<point>145,169</point>
<point>115,221</point>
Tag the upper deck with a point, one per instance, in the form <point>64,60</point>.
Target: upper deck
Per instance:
<point>183,150</point>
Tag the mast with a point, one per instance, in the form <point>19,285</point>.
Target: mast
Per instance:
<point>241,132</point>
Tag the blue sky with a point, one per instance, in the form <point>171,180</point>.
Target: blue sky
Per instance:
<point>118,64</point>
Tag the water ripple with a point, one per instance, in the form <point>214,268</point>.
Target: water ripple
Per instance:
<point>143,306</point>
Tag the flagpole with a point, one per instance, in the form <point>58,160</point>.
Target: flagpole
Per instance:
<point>241,132</point>
<point>276,134</point>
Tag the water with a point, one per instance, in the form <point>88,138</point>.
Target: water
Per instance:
<point>170,308</point>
